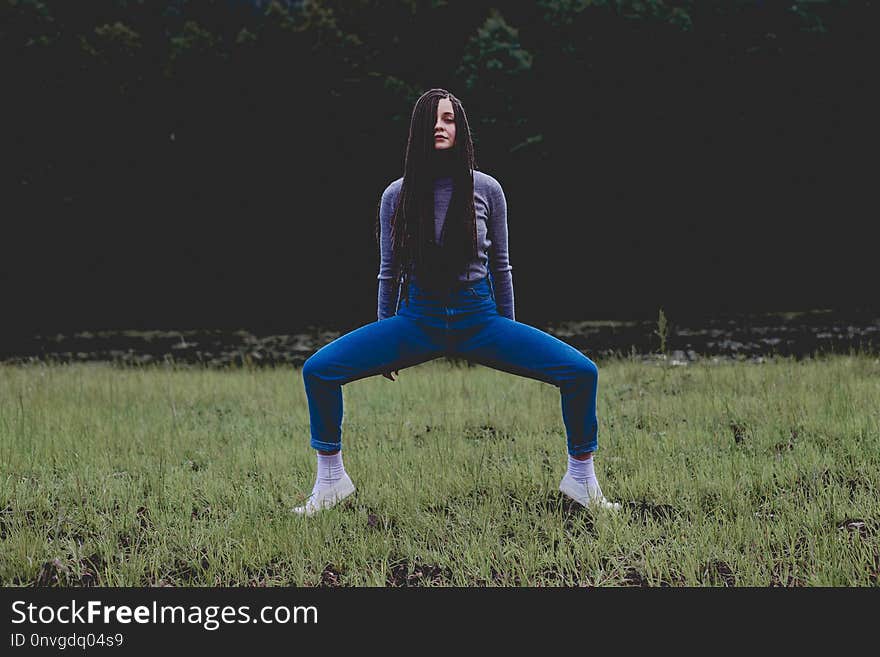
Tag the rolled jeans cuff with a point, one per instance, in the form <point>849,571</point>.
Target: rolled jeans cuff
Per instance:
<point>325,447</point>
<point>577,450</point>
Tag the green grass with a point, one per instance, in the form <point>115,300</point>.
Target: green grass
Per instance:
<point>728,472</point>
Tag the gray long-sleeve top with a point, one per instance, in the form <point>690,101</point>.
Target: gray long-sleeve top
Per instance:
<point>491,214</point>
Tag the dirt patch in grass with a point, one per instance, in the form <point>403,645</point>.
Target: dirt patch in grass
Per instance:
<point>404,573</point>
<point>53,573</point>
<point>498,578</point>
<point>485,433</point>
<point>6,516</point>
<point>57,573</point>
<point>143,517</point>
<point>183,571</point>
<point>719,573</point>
<point>632,577</point>
<point>780,577</point>
<point>740,432</point>
<point>439,509</point>
<point>274,573</point>
<point>379,521</point>
<point>645,510</point>
<point>331,577</point>
<point>864,529</point>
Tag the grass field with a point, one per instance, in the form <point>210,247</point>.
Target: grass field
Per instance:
<point>729,473</point>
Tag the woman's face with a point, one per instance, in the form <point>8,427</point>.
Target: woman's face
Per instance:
<point>444,127</point>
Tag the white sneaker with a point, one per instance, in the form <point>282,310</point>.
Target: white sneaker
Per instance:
<point>326,498</point>
<point>584,496</point>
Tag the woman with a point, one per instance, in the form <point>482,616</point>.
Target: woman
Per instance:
<point>442,232</point>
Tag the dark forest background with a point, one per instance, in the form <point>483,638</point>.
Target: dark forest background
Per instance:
<point>177,164</point>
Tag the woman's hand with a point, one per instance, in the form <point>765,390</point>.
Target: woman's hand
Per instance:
<point>390,374</point>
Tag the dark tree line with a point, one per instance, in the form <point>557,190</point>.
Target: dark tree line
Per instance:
<point>218,163</point>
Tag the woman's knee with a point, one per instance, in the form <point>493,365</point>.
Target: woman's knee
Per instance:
<point>586,370</point>
<point>312,367</point>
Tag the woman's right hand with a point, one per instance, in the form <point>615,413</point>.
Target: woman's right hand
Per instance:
<point>390,374</point>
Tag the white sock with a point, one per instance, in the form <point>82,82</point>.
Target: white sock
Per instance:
<point>330,470</point>
<point>583,473</point>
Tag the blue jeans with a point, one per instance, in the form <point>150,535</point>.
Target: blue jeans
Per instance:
<point>463,324</point>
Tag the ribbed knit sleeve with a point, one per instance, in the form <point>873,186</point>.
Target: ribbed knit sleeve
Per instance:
<point>499,256</point>
<point>389,288</point>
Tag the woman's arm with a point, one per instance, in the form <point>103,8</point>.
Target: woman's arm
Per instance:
<point>388,286</point>
<point>499,257</point>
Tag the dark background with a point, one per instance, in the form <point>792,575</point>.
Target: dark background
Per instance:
<point>176,164</point>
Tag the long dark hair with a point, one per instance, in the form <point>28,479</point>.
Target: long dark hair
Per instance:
<point>412,225</point>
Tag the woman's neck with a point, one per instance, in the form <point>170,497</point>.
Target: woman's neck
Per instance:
<point>443,163</point>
